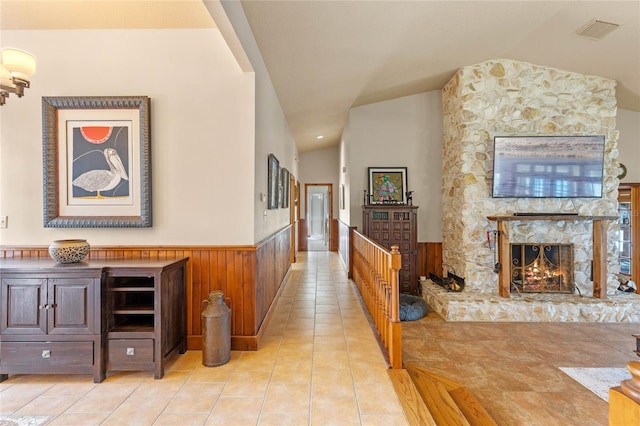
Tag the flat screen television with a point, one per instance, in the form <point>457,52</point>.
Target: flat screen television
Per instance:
<point>548,166</point>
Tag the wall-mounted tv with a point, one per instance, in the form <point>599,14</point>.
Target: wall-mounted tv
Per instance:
<point>548,166</point>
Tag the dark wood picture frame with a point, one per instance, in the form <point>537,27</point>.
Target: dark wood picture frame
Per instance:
<point>273,182</point>
<point>284,183</point>
<point>97,162</point>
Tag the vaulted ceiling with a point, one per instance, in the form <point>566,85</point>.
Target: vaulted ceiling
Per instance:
<point>325,57</point>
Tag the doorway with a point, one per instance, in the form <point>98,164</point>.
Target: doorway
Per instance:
<point>318,214</point>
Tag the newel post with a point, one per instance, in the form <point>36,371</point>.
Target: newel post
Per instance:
<point>352,230</point>
<point>395,341</point>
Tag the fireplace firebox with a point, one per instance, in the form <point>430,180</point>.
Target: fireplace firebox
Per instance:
<point>542,268</point>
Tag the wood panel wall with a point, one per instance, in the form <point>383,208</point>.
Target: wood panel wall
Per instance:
<point>429,259</point>
<point>249,276</point>
<point>334,233</point>
<point>302,235</point>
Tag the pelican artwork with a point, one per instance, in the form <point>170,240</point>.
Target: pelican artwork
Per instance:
<point>103,180</point>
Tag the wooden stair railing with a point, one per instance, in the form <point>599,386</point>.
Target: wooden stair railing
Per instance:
<point>375,272</point>
<point>427,399</point>
<point>624,400</point>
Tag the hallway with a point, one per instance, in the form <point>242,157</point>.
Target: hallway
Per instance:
<point>319,365</point>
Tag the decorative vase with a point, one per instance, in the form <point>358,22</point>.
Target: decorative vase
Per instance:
<point>68,251</point>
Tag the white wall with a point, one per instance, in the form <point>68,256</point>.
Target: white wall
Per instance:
<point>320,166</point>
<point>403,132</point>
<point>272,134</point>
<point>628,123</point>
<point>202,132</point>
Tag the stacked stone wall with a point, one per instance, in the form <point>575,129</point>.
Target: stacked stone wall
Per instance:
<point>508,98</point>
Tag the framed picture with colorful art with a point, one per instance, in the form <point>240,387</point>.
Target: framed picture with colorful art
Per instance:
<point>387,185</point>
<point>97,162</point>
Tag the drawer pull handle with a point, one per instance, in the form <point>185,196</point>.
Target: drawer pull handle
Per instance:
<point>131,351</point>
<point>46,353</point>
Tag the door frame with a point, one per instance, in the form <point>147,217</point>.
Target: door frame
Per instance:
<point>306,207</point>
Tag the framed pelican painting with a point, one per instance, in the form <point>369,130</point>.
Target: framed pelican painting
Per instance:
<point>97,171</point>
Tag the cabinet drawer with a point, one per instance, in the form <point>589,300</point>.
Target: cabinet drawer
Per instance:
<point>40,355</point>
<point>130,351</point>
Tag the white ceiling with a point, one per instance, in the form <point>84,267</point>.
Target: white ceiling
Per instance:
<point>103,14</point>
<point>325,57</point>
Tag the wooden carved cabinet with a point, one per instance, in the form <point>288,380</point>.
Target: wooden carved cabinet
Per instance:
<point>396,225</point>
<point>91,317</point>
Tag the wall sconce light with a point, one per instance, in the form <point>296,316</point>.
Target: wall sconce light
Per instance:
<point>16,67</point>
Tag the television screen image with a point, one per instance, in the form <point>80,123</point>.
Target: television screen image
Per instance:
<point>548,166</point>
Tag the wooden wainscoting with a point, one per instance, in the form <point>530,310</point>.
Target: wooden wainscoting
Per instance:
<point>302,235</point>
<point>429,259</point>
<point>249,276</point>
<point>333,235</point>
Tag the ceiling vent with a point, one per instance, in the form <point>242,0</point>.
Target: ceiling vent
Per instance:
<point>596,30</point>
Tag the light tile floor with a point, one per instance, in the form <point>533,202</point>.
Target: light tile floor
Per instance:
<point>320,364</point>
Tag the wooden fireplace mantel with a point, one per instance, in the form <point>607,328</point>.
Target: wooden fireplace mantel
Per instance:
<point>600,227</point>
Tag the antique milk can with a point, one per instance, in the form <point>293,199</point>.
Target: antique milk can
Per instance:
<point>216,330</point>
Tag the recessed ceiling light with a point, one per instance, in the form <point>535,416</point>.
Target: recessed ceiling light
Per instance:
<point>319,137</point>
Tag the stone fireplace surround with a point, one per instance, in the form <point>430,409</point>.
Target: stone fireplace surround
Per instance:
<point>504,97</point>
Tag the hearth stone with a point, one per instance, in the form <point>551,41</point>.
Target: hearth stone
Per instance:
<point>532,307</point>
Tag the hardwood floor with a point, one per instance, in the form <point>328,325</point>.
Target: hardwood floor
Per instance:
<point>512,368</point>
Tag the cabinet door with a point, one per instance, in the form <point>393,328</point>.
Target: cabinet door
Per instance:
<point>24,302</point>
<point>71,302</point>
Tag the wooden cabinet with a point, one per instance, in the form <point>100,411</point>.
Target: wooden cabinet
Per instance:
<point>145,315</point>
<point>50,306</point>
<point>396,225</point>
<point>51,321</point>
<point>629,230</point>
<point>90,317</point>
